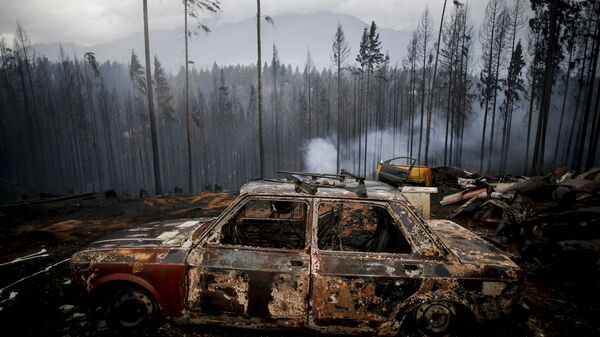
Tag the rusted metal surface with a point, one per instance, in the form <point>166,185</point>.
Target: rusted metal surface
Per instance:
<point>211,271</point>
<point>160,271</point>
<point>170,234</point>
<point>151,256</point>
<point>468,247</point>
<point>354,292</point>
<point>375,190</point>
<point>374,292</point>
<point>262,289</point>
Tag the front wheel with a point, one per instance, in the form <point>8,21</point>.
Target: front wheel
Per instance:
<point>133,311</point>
<point>436,318</point>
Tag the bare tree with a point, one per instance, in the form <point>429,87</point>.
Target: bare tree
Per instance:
<point>500,43</point>
<point>465,81</point>
<point>424,31</point>
<point>533,77</point>
<point>92,63</point>
<point>584,32</point>
<point>571,36</point>
<point>514,88</point>
<point>594,13</point>
<point>549,20</point>
<point>340,52</point>
<point>410,62</point>
<point>259,69</point>
<point>453,57</point>
<point>594,140</point>
<point>490,56</point>
<point>308,70</point>
<point>514,84</point>
<point>435,65</point>
<point>23,49</point>
<point>276,72</point>
<point>191,8</point>
<point>149,95</point>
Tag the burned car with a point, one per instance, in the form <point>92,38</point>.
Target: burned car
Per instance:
<point>393,172</point>
<point>331,253</point>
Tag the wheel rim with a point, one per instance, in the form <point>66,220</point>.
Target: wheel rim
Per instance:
<point>133,309</point>
<point>435,317</point>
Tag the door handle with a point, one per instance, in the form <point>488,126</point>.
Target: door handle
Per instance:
<point>296,263</point>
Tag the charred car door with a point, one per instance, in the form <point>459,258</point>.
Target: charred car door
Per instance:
<point>364,267</point>
<point>254,268</point>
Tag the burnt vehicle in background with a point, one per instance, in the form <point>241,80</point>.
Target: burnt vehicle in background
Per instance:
<point>331,253</point>
<point>394,173</point>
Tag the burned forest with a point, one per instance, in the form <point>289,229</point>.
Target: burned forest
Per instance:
<point>74,123</point>
<point>396,168</point>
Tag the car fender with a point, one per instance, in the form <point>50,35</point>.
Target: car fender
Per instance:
<point>123,277</point>
<point>420,298</point>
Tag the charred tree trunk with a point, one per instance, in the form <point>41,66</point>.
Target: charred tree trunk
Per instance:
<point>149,95</point>
<point>260,95</point>
<point>588,103</point>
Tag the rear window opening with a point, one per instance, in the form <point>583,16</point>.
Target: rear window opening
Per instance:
<point>359,227</point>
<point>267,224</point>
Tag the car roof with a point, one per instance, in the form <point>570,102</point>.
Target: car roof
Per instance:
<point>335,189</point>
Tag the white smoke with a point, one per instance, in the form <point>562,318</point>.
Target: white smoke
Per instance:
<point>320,156</point>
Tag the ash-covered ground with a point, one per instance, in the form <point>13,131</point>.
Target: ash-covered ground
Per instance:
<point>36,239</point>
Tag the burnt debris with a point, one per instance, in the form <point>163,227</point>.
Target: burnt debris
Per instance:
<point>551,218</point>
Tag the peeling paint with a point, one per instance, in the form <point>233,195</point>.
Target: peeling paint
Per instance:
<point>288,301</point>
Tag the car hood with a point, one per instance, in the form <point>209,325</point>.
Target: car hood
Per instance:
<point>155,234</point>
<point>468,247</point>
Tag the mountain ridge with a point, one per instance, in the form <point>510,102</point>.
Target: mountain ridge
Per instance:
<point>235,43</point>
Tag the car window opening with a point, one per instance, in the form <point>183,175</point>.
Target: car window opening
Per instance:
<point>267,224</point>
<point>359,227</point>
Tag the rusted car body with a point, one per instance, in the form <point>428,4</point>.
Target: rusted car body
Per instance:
<point>329,261</point>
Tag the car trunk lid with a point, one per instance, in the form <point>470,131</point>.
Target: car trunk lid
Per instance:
<point>468,247</point>
<point>167,233</point>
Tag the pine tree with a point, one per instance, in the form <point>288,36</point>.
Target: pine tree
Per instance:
<point>369,57</point>
<point>514,88</point>
<point>276,73</point>
<point>163,92</point>
<point>136,74</point>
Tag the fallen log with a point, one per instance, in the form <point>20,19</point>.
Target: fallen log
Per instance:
<point>48,200</point>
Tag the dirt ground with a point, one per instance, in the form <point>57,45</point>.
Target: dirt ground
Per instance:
<point>559,300</point>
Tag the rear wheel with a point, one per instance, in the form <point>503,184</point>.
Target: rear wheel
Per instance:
<point>435,318</point>
<point>133,311</point>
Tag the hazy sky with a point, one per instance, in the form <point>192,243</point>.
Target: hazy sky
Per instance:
<point>89,22</point>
